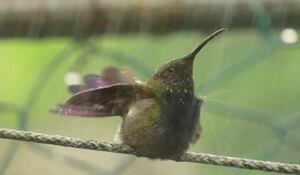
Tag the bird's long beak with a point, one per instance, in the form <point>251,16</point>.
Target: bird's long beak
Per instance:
<point>191,56</point>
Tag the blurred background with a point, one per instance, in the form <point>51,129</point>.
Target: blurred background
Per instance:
<point>249,77</point>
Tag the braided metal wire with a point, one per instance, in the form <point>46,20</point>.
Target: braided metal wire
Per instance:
<point>120,148</point>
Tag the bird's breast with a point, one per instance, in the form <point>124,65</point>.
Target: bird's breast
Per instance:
<point>156,131</point>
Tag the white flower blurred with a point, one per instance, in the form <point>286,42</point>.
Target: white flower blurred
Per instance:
<point>72,78</point>
<point>289,36</point>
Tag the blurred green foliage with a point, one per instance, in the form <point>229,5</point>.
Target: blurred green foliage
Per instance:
<point>251,88</point>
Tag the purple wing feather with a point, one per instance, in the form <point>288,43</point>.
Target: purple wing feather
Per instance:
<point>95,81</point>
<point>106,95</point>
<point>111,76</point>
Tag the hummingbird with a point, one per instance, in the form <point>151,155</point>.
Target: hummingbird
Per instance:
<point>160,118</point>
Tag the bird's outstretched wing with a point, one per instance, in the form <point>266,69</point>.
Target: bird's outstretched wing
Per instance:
<point>107,95</point>
<point>104,101</point>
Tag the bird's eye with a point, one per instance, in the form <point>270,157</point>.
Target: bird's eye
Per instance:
<point>171,70</point>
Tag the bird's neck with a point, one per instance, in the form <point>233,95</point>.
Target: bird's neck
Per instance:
<point>174,97</point>
<point>185,88</point>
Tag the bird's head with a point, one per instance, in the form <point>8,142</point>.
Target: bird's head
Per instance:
<point>177,74</point>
